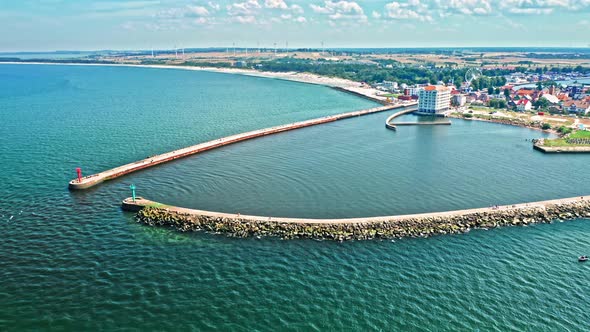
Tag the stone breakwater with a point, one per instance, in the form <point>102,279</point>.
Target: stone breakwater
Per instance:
<point>422,225</point>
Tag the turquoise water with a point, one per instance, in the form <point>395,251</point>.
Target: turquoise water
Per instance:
<point>47,55</point>
<point>74,261</point>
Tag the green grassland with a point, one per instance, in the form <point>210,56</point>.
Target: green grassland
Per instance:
<point>577,138</point>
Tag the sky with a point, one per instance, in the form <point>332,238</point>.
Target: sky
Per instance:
<point>47,25</point>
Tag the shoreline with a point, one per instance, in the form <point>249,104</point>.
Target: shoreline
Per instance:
<point>385,227</point>
<point>299,77</point>
<point>508,122</point>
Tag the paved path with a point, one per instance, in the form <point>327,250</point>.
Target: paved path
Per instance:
<point>422,123</point>
<point>393,126</point>
<point>129,205</point>
<point>95,179</point>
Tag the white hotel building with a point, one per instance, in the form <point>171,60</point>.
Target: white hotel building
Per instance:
<point>434,100</point>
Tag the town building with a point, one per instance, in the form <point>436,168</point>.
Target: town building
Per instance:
<point>550,98</point>
<point>413,90</point>
<point>434,100</point>
<point>577,106</point>
<point>459,100</point>
<point>524,105</point>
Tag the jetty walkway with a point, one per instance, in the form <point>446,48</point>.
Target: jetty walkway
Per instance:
<point>130,205</point>
<point>393,126</point>
<point>95,179</point>
<point>423,123</point>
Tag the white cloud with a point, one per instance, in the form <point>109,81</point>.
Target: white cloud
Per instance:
<point>376,14</point>
<point>197,11</point>
<point>248,19</point>
<point>298,10</point>
<point>341,10</point>
<point>213,5</point>
<point>412,10</point>
<point>466,7</point>
<point>246,8</point>
<point>530,11</point>
<point>301,19</point>
<point>281,4</point>
<point>188,11</point>
<point>541,7</point>
<point>275,4</point>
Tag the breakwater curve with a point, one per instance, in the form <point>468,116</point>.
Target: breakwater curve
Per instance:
<point>393,126</point>
<point>386,227</point>
<point>95,179</point>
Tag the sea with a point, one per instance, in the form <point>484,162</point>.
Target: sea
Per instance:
<point>75,261</point>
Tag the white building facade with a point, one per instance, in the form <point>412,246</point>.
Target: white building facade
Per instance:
<point>434,100</point>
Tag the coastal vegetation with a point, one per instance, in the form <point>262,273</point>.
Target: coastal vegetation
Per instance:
<point>378,71</point>
<point>580,138</point>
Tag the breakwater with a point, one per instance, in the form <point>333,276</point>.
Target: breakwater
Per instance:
<point>538,144</point>
<point>388,124</point>
<point>95,179</point>
<point>387,227</point>
<point>393,126</point>
<point>562,149</point>
<point>423,123</point>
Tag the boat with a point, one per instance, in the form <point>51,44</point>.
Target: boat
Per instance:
<point>582,258</point>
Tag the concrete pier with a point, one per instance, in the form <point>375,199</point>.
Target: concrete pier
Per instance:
<point>423,123</point>
<point>393,126</point>
<point>95,179</point>
<point>388,124</point>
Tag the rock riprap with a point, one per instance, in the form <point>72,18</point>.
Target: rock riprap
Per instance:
<point>396,227</point>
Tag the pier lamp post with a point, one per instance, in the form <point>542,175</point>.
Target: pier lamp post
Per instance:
<point>79,171</point>
<point>132,187</point>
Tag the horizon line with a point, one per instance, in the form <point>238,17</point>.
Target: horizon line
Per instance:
<point>302,47</point>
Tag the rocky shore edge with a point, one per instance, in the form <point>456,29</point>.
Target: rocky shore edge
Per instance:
<point>535,125</point>
<point>397,227</point>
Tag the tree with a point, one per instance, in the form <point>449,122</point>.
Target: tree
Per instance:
<point>490,91</point>
<point>546,126</point>
<point>507,93</point>
<point>541,103</point>
<point>564,130</point>
<point>497,103</point>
